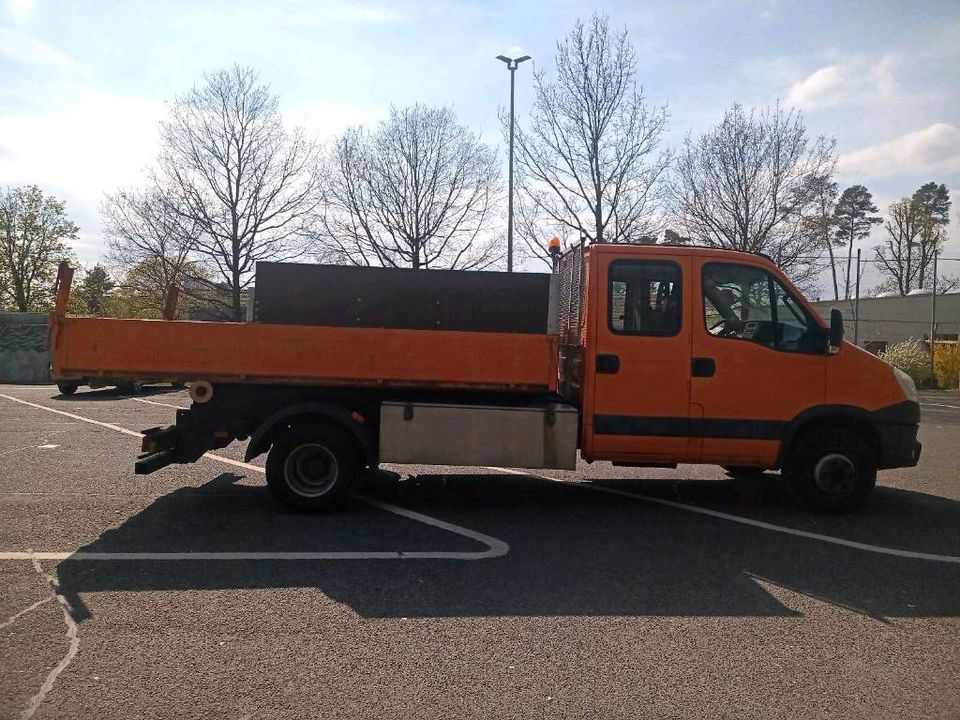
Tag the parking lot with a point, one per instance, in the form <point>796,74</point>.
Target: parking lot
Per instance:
<point>446,592</point>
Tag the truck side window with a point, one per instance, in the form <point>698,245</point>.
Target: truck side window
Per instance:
<point>644,297</point>
<point>748,303</point>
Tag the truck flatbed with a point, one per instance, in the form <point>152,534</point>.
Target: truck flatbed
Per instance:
<point>336,326</point>
<point>180,350</point>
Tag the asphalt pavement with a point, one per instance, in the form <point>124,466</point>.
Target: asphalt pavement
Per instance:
<point>460,592</point>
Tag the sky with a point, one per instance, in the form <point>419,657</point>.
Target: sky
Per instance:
<point>83,84</point>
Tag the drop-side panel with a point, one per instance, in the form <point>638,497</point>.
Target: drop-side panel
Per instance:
<point>302,354</point>
<point>469,435</point>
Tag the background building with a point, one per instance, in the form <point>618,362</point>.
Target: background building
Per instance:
<point>888,320</point>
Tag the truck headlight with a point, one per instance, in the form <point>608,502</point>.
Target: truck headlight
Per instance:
<point>906,384</point>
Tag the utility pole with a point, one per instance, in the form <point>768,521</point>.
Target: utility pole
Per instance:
<point>856,304</point>
<point>933,320</point>
<point>512,64</point>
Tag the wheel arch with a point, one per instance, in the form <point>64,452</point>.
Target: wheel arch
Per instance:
<point>323,412</point>
<point>847,416</point>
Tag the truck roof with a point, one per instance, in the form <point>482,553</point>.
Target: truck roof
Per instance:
<point>673,249</point>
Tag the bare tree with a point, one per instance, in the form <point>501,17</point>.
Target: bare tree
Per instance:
<point>536,229</point>
<point>819,221</point>
<point>744,185</point>
<point>901,258</point>
<point>915,234</point>
<point>150,241</point>
<point>34,230</point>
<point>249,184</point>
<point>672,237</point>
<point>414,192</point>
<point>587,162</point>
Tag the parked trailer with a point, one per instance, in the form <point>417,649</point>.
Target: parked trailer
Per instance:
<point>641,355</point>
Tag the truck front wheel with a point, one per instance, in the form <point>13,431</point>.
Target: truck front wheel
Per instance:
<point>310,467</point>
<point>832,470</point>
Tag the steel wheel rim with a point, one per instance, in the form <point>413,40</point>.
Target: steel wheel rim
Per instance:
<point>835,474</point>
<point>311,469</point>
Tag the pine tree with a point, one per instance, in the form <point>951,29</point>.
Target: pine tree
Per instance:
<point>853,223</point>
<point>95,288</point>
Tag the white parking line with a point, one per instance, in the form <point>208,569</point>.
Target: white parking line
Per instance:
<point>495,547</point>
<point>943,405</point>
<point>109,426</point>
<point>742,520</point>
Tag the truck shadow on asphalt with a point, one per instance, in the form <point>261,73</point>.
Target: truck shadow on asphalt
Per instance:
<point>115,393</point>
<point>572,551</point>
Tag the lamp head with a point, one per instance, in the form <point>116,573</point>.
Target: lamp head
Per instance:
<point>512,63</point>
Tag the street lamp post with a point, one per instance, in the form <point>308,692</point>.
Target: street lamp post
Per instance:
<point>512,64</point>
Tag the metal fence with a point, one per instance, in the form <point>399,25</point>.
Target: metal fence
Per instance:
<point>570,315</point>
<point>24,358</point>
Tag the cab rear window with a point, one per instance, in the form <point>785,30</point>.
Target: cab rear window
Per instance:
<point>644,297</point>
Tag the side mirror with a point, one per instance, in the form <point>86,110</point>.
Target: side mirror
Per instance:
<point>836,332</point>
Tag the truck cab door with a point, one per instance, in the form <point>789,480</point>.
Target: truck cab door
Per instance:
<point>638,363</point>
<point>768,354</point>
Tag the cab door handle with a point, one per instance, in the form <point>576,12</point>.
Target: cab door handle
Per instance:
<point>703,367</point>
<point>608,364</point>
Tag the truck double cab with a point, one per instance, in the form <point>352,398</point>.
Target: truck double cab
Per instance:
<point>643,355</point>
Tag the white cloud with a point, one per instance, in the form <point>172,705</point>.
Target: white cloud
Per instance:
<point>934,149</point>
<point>514,51</point>
<point>853,80</point>
<point>27,50</point>
<point>324,120</point>
<point>823,83</point>
<point>21,10</point>
<point>100,142</point>
<point>91,142</point>
<point>78,151</point>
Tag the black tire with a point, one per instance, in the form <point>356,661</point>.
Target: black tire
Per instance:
<point>67,388</point>
<point>312,467</point>
<point>832,470</point>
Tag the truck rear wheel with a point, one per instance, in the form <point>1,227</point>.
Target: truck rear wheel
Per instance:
<point>67,388</point>
<point>310,467</point>
<point>832,470</point>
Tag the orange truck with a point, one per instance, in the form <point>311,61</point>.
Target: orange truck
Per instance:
<point>643,355</point>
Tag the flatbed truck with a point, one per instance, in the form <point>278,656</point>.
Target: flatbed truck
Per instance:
<point>642,355</point>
